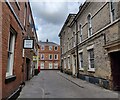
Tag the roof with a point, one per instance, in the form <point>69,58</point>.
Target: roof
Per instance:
<point>48,43</point>
<point>81,9</point>
<point>66,22</point>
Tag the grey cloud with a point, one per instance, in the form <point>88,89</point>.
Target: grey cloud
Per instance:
<point>50,12</point>
<point>49,18</point>
<point>49,31</point>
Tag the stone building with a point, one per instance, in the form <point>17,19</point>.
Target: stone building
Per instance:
<point>49,55</point>
<point>90,44</point>
<point>16,24</point>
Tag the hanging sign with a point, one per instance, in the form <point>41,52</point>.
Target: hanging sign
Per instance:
<point>28,43</point>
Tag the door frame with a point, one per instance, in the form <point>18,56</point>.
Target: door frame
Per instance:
<point>73,65</point>
<point>115,70</point>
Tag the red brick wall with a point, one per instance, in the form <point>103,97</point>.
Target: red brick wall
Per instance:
<point>7,20</point>
<point>0,50</point>
<point>28,52</point>
<point>46,53</point>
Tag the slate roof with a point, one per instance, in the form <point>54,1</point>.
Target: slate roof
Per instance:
<point>48,43</point>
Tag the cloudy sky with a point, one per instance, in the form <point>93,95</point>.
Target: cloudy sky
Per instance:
<point>50,16</point>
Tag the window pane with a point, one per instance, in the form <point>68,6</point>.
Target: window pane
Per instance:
<point>92,65</point>
<point>56,48</point>
<point>91,58</point>
<point>42,47</point>
<point>81,60</point>
<point>50,47</point>
<point>10,54</point>
<point>42,56</point>
<point>50,57</point>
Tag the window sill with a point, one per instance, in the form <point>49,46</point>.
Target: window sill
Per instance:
<point>10,79</point>
<point>81,69</point>
<point>91,70</point>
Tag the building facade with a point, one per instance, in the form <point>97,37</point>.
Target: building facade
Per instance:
<point>49,55</point>
<point>90,44</point>
<point>17,66</point>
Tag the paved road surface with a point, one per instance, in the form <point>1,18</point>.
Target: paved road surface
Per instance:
<point>53,84</point>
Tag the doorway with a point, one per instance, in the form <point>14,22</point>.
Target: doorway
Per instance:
<point>115,66</point>
<point>74,65</point>
<point>27,68</point>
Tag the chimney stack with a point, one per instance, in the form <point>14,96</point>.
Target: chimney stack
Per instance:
<point>46,40</point>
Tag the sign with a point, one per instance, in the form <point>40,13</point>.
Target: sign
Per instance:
<point>28,43</point>
<point>34,58</point>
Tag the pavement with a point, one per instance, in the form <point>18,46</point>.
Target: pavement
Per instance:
<point>54,84</point>
<point>87,85</point>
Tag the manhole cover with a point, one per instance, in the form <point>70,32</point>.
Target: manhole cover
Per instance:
<point>47,93</point>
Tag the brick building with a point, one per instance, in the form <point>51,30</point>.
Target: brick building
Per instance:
<point>49,55</point>
<point>16,24</point>
<point>90,44</point>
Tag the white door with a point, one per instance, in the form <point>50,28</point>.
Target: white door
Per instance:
<point>50,66</point>
<point>42,66</point>
<point>73,65</point>
<point>55,65</point>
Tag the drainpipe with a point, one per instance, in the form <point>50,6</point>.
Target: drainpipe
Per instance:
<point>77,48</point>
<point>37,57</point>
<point>61,49</point>
<point>104,35</point>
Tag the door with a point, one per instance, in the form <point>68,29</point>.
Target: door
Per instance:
<point>42,65</point>
<point>73,64</point>
<point>50,66</point>
<point>115,66</point>
<point>27,68</point>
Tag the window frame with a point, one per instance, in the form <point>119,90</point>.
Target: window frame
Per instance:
<point>50,64</point>
<point>56,49</point>
<point>57,56</point>
<point>18,5</point>
<point>68,62</point>
<point>81,61</point>
<point>74,37</point>
<point>25,15</point>
<point>50,48</point>
<point>51,56</point>
<point>112,11</point>
<point>43,57</point>
<point>90,59</point>
<point>89,18</point>
<point>65,63</point>
<point>30,19</point>
<point>11,51</point>
<point>80,31</point>
<point>55,64</point>
<point>42,46</point>
<point>42,65</point>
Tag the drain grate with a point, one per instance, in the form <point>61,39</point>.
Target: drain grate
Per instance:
<point>47,93</point>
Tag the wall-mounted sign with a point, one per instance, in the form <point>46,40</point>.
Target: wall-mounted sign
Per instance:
<point>34,58</point>
<point>28,43</point>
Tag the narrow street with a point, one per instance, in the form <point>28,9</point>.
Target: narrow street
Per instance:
<point>54,84</point>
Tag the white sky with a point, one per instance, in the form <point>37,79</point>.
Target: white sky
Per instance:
<point>50,16</point>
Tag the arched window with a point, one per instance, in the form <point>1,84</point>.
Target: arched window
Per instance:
<point>74,39</point>
<point>112,10</point>
<point>89,25</point>
<point>80,29</point>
